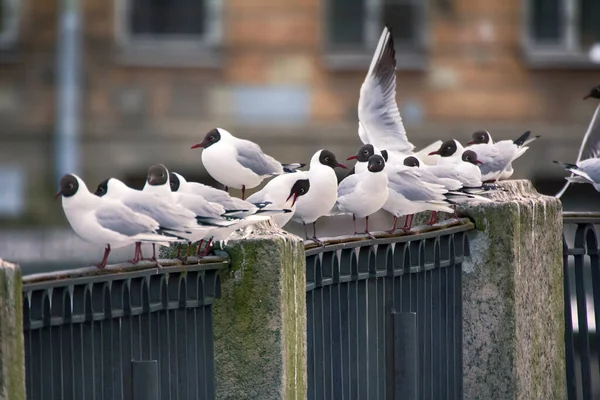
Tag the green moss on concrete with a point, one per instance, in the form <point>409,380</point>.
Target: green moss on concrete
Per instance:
<point>260,320</point>
<point>512,290</point>
<point>12,360</point>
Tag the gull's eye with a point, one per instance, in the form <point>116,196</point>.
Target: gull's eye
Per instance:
<point>162,175</point>
<point>326,159</point>
<point>70,186</point>
<point>301,191</point>
<point>365,151</point>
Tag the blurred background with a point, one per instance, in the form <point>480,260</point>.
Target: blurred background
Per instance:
<point>107,88</point>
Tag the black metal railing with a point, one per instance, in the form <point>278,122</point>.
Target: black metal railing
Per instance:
<point>582,304</point>
<point>128,333</point>
<point>384,317</point>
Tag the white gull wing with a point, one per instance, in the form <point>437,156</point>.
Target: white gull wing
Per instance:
<point>215,195</point>
<point>408,184</point>
<point>380,120</point>
<point>590,146</point>
<point>167,214</point>
<point>590,169</point>
<point>251,156</point>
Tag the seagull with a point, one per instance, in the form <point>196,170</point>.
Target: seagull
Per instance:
<point>379,118</point>
<point>590,148</point>
<point>364,194</point>
<point>282,192</point>
<point>497,157</point>
<point>409,194</point>
<point>238,163</point>
<point>459,164</point>
<point>323,194</point>
<point>105,221</point>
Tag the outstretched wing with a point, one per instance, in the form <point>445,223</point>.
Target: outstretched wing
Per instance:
<point>250,156</point>
<point>590,146</point>
<point>380,120</point>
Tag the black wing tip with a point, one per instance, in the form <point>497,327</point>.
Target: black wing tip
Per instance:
<point>292,167</point>
<point>522,139</point>
<point>566,165</point>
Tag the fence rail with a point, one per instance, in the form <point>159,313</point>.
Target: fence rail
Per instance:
<point>384,317</point>
<point>134,333</point>
<point>582,304</point>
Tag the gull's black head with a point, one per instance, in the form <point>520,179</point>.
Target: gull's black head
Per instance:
<point>480,137</point>
<point>363,153</point>
<point>212,137</point>
<point>471,157</point>
<point>411,161</point>
<point>157,175</point>
<point>595,93</point>
<point>447,149</point>
<point>102,188</point>
<point>299,188</point>
<point>328,158</point>
<point>174,182</point>
<point>376,163</point>
<point>68,186</point>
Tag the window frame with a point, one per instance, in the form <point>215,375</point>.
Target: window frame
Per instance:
<point>10,35</point>
<point>359,59</point>
<point>175,51</point>
<point>565,54</point>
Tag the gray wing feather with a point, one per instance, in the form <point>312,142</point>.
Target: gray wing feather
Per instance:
<point>221,197</point>
<point>348,185</point>
<point>199,206</point>
<point>250,156</point>
<point>591,167</point>
<point>409,186</point>
<point>380,120</point>
<point>123,220</point>
<point>166,214</point>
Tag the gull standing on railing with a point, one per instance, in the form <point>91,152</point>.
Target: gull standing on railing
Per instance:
<point>323,191</point>
<point>238,163</point>
<point>588,170</point>
<point>106,221</point>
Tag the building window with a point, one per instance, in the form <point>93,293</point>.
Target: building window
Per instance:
<point>354,27</point>
<point>166,32</point>
<point>9,23</point>
<point>560,32</point>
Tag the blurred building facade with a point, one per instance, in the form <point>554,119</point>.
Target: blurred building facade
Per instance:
<point>158,74</point>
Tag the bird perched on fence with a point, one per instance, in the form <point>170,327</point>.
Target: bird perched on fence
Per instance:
<point>587,167</point>
<point>363,194</point>
<point>497,157</point>
<point>323,191</point>
<point>238,163</point>
<point>107,221</point>
<point>282,192</point>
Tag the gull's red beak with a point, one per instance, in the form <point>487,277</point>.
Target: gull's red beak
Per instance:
<point>354,157</point>
<point>433,153</point>
<point>587,96</point>
<point>197,145</point>
<point>470,143</point>
<point>152,181</point>
<point>295,197</point>
<point>479,162</point>
<point>340,165</point>
<point>57,194</point>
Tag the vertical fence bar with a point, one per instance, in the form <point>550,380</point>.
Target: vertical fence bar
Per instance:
<point>569,340</point>
<point>145,380</point>
<point>406,347</point>
<point>583,335</point>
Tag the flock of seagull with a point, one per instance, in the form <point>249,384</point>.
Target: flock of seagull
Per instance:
<point>389,174</point>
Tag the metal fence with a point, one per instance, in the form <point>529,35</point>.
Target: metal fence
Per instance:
<point>384,317</point>
<point>134,333</point>
<point>582,304</point>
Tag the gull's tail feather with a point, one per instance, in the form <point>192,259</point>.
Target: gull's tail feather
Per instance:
<point>576,179</point>
<point>567,166</point>
<point>156,238</point>
<point>268,212</point>
<point>292,167</point>
<point>210,221</point>
<point>533,139</point>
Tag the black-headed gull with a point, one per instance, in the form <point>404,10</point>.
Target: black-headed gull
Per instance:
<point>379,118</point>
<point>588,152</point>
<point>410,194</point>
<point>106,221</point>
<point>323,191</point>
<point>364,194</point>
<point>238,163</point>
<point>459,164</point>
<point>497,157</point>
<point>282,192</point>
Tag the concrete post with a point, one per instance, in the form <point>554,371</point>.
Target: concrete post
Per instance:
<point>12,353</point>
<point>260,318</point>
<point>513,298</point>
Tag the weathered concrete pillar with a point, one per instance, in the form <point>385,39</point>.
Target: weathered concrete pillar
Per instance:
<point>513,298</point>
<point>12,354</point>
<point>260,318</point>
